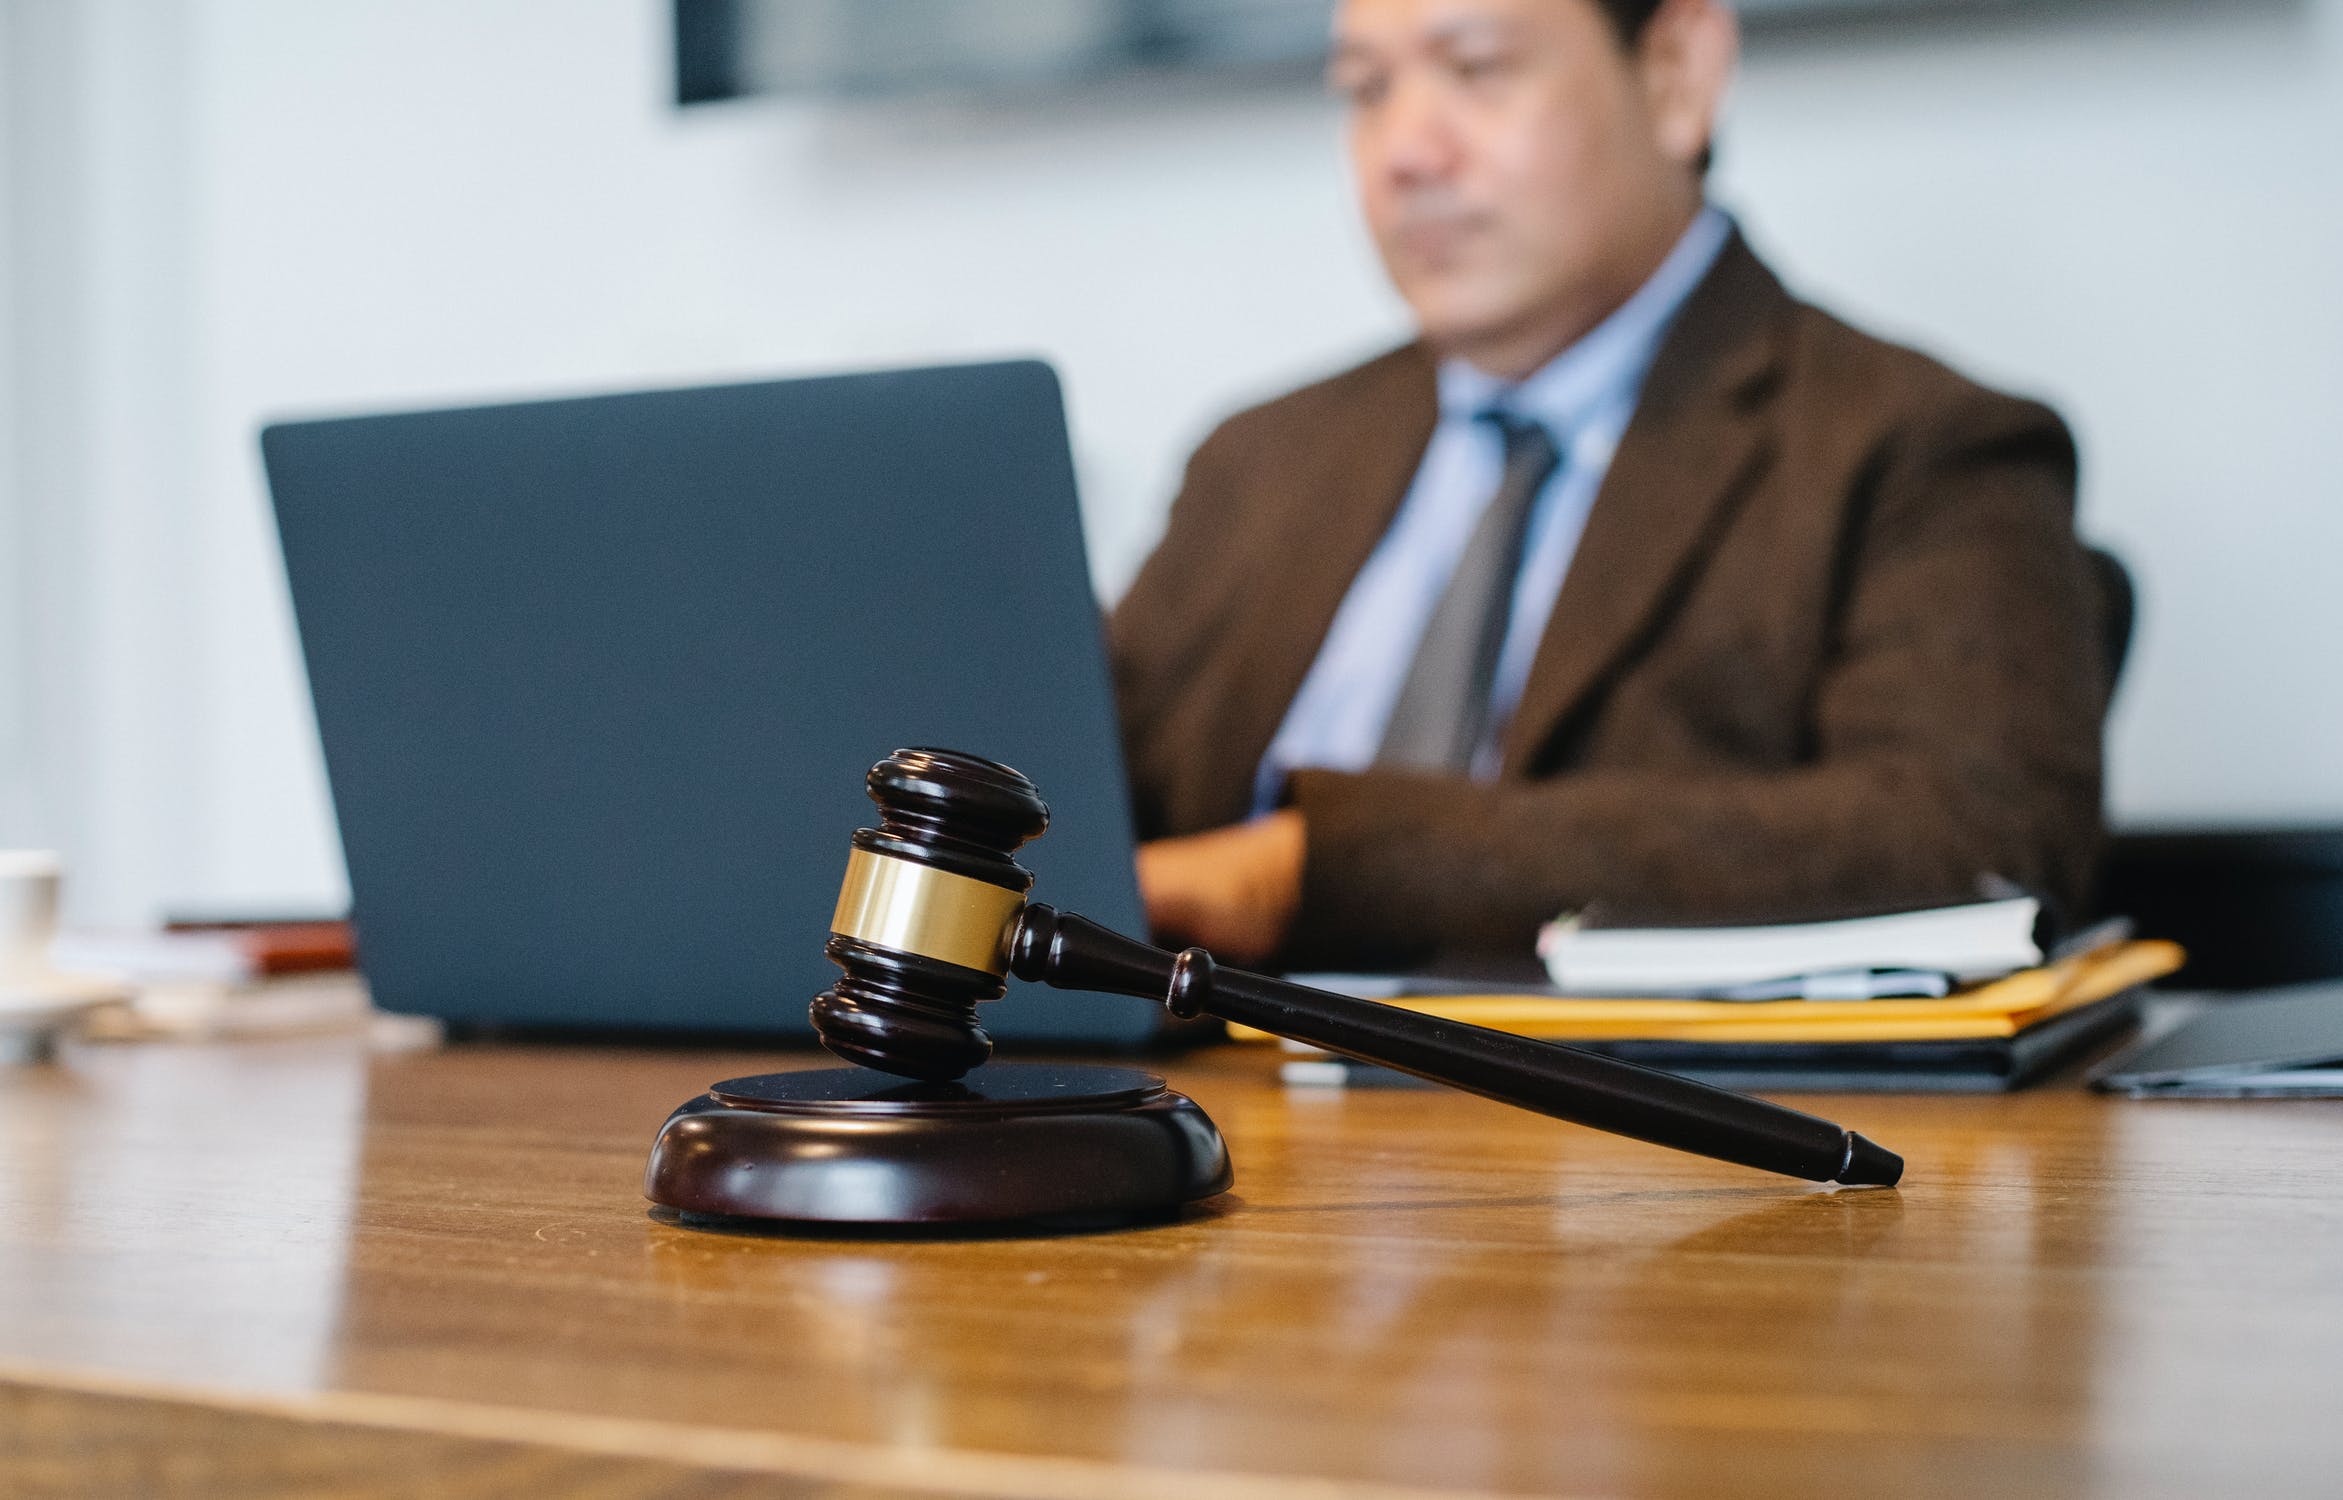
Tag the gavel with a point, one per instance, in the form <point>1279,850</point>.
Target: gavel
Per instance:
<point>933,917</point>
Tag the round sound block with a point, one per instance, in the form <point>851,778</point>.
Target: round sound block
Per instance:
<point>1011,1141</point>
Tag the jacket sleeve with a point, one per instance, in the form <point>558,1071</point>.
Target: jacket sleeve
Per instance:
<point>1173,610</point>
<point>1955,727</point>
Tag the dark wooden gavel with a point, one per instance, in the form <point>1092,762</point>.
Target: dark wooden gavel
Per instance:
<point>933,916</point>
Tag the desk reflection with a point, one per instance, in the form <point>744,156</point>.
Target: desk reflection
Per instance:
<point>181,1211</point>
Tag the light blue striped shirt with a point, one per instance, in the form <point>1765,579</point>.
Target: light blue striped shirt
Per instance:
<point>1585,396</point>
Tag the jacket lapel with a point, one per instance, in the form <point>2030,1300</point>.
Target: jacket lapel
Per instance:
<point>1698,440</point>
<point>1349,506</point>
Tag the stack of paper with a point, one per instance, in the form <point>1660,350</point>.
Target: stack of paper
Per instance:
<point>2002,1008</point>
<point>266,979</point>
<point>1991,1036</point>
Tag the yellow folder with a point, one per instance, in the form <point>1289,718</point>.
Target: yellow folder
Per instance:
<point>2003,1007</point>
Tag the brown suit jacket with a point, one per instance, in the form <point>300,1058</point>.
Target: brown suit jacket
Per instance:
<point>1828,641</point>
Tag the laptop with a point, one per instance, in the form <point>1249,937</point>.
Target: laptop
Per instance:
<point>598,680</point>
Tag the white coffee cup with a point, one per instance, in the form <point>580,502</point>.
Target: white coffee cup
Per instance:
<point>28,914</point>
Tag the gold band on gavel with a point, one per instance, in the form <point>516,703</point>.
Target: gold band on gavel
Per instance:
<point>914,908</point>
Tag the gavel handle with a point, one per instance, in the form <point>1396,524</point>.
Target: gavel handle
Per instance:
<point>1073,953</point>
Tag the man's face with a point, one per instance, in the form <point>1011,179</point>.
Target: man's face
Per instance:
<point>1515,163</point>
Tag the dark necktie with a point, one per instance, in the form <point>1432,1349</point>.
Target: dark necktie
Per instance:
<point>1443,706</point>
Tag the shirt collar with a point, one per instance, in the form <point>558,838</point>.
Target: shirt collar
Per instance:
<point>1611,360</point>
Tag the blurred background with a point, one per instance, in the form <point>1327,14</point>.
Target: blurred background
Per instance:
<point>214,212</point>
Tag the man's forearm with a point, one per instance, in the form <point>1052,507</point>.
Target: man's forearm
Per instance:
<point>1401,866</point>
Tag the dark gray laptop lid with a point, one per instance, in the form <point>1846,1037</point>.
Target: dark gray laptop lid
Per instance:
<point>598,680</point>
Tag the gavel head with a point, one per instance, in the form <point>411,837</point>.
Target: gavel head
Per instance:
<point>921,931</point>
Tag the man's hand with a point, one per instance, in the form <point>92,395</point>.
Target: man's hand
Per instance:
<point>1232,890</point>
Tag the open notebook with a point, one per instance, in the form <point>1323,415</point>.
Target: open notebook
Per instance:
<point>1899,953</point>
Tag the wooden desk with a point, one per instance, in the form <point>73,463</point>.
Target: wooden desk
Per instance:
<point>285,1269</point>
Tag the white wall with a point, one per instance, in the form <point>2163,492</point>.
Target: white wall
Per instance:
<point>112,662</point>
<point>295,207</point>
<point>2137,211</point>
<point>15,584</point>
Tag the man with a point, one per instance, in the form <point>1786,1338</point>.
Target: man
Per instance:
<point>1633,581</point>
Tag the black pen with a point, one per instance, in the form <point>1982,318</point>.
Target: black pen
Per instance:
<point>1069,952</point>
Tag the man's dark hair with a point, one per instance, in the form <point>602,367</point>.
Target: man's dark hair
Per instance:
<point>1629,17</point>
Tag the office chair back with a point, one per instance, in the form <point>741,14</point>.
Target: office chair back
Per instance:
<point>2118,610</point>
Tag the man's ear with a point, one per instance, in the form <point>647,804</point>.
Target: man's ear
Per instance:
<point>1687,57</point>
